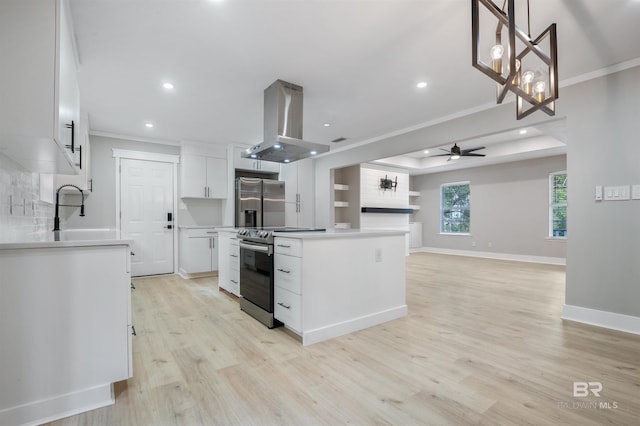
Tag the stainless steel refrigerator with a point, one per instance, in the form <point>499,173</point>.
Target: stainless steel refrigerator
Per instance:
<point>259,203</point>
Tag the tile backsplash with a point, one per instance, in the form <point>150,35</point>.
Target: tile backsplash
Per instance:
<point>21,210</point>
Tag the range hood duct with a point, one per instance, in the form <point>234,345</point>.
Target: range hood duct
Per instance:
<point>283,141</point>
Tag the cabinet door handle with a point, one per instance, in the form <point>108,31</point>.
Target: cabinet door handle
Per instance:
<point>284,246</point>
<point>284,306</point>
<point>80,155</point>
<point>133,331</point>
<point>72,126</point>
<point>210,243</point>
<point>213,242</point>
<point>234,255</point>
<point>234,281</point>
<point>282,270</point>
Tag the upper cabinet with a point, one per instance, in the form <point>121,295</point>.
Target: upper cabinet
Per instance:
<point>83,179</point>
<point>203,171</point>
<point>40,108</point>
<point>252,164</point>
<point>299,193</point>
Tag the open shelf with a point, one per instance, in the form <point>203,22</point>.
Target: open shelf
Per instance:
<point>414,193</point>
<point>341,204</point>
<point>340,187</point>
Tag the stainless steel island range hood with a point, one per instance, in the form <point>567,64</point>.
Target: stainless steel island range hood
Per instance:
<point>283,127</point>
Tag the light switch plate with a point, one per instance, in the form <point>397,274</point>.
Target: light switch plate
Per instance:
<point>635,192</point>
<point>599,193</point>
<point>616,193</point>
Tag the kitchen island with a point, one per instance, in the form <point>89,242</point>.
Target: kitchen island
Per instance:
<point>332,283</point>
<point>65,326</point>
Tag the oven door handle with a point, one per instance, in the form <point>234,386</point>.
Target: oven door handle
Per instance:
<point>257,247</point>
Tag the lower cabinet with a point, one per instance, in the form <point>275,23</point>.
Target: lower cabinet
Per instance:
<point>229,262</point>
<point>198,251</point>
<point>288,283</point>
<point>67,336</point>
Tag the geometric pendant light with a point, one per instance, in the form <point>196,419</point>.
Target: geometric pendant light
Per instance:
<point>519,64</point>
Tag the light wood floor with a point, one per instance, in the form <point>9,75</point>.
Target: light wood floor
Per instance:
<point>483,344</point>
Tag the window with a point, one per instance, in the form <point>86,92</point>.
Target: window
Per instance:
<point>455,208</point>
<point>558,204</point>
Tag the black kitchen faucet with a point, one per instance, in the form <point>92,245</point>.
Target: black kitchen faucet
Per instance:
<point>56,219</point>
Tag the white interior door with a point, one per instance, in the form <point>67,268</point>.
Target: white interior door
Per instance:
<point>146,198</point>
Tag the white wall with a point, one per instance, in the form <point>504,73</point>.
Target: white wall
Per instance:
<point>509,208</point>
<point>372,196</point>
<point>603,271</point>
<point>100,207</point>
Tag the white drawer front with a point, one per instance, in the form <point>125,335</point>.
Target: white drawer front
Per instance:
<point>290,246</point>
<point>199,232</point>
<point>234,282</point>
<point>234,255</point>
<point>288,272</point>
<point>287,308</point>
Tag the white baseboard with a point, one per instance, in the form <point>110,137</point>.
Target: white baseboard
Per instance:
<point>58,407</point>
<point>187,276</point>
<point>611,320</point>
<point>346,327</point>
<point>492,255</point>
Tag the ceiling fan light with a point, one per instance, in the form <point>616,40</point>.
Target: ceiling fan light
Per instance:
<point>455,157</point>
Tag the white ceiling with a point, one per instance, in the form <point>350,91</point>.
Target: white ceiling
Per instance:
<point>358,61</point>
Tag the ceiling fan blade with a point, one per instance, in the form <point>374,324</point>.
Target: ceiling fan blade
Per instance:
<point>466,154</point>
<point>445,150</point>
<point>465,151</point>
<point>440,155</point>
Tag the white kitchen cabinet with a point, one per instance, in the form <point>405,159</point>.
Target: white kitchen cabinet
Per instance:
<point>229,262</point>
<point>198,251</point>
<point>40,97</point>
<point>299,193</point>
<point>203,177</point>
<point>255,165</point>
<point>68,338</point>
<point>83,179</point>
<point>287,306</point>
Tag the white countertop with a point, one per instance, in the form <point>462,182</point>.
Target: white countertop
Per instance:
<point>341,234</point>
<point>66,238</point>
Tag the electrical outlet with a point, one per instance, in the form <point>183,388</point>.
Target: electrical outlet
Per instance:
<point>378,255</point>
<point>635,192</point>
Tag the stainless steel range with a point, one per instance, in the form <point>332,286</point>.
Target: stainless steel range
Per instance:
<point>257,271</point>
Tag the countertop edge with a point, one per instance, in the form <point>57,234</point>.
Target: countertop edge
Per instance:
<point>63,244</point>
<point>339,234</point>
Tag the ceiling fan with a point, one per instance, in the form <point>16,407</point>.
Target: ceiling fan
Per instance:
<point>455,152</point>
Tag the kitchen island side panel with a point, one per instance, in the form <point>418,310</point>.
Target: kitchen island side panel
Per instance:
<point>351,283</point>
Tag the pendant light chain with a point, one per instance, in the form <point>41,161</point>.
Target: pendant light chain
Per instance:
<point>528,21</point>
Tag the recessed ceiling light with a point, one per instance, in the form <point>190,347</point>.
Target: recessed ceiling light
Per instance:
<point>426,151</point>
<point>421,85</point>
<point>327,124</point>
<point>277,146</point>
<point>254,156</point>
<point>313,152</point>
<point>286,160</point>
<point>523,131</point>
<point>148,125</point>
<point>168,86</point>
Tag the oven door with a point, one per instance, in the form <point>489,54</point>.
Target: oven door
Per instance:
<point>256,274</point>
